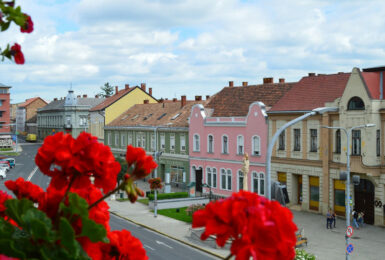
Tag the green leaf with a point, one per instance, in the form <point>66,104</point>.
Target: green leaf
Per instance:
<point>17,208</point>
<point>77,206</point>
<point>95,232</point>
<point>38,225</point>
<point>67,235</point>
<point>4,26</point>
<point>8,248</point>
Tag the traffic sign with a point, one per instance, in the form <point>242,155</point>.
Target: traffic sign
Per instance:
<point>349,248</point>
<point>349,231</point>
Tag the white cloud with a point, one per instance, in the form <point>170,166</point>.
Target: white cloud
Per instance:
<point>188,47</point>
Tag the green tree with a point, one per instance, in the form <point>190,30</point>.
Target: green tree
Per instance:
<point>107,90</point>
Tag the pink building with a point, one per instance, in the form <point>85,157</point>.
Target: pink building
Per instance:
<point>232,123</point>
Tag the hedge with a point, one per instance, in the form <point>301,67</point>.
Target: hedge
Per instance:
<point>165,196</point>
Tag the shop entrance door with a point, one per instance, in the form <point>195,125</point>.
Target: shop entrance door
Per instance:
<point>364,199</point>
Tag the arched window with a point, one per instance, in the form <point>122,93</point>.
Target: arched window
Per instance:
<point>225,144</point>
<point>196,143</point>
<point>226,179</point>
<point>356,103</point>
<point>240,145</point>
<point>210,144</point>
<point>256,144</point>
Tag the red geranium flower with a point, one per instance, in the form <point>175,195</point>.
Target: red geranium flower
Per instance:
<point>62,157</point>
<point>144,164</point>
<point>259,228</point>
<point>125,246</point>
<point>155,183</point>
<point>17,54</point>
<point>3,198</point>
<point>28,26</point>
<point>24,189</point>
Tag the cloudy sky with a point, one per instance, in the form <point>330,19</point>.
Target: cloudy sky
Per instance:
<point>191,47</point>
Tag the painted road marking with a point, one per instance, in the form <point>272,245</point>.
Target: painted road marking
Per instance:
<point>162,243</point>
<point>149,247</point>
<point>31,174</point>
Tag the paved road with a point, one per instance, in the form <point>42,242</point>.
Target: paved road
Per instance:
<point>157,246</point>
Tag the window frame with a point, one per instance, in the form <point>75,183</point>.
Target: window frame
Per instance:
<point>172,142</point>
<point>196,143</point>
<point>297,139</point>
<point>226,179</point>
<point>356,142</point>
<point>313,140</point>
<point>253,145</point>
<point>338,141</point>
<point>162,141</point>
<point>282,141</point>
<point>182,143</point>
<point>225,144</point>
<point>260,179</point>
<point>240,175</point>
<point>240,145</point>
<point>210,143</point>
<point>378,142</point>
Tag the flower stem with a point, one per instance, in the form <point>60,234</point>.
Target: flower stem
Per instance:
<point>104,197</point>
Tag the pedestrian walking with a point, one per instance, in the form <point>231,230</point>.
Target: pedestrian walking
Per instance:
<point>329,219</point>
<point>355,218</point>
<point>333,219</point>
<point>360,219</point>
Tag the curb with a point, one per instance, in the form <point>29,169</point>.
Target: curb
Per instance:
<point>167,235</point>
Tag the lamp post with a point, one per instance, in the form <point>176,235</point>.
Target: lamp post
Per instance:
<point>348,133</point>
<point>319,110</point>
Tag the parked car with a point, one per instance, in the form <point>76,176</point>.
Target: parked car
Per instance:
<point>3,173</point>
<point>12,162</point>
<point>5,164</point>
<point>31,138</point>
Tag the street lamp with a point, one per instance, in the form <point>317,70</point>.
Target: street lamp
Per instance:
<point>319,110</point>
<point>348,133</point>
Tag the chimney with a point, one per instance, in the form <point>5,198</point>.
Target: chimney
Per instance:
<point>281,80</point>
<point>116,89</point>
<point>150,91</point>
<point>207,97</point>
<point>174,99</point>
<point>231,84</point>
<point>161,100</point>
<point>84,95</point>
<point>244,84</point>
<point>182,101</point>
<point>96,96</point>
<point>268,80</point>
<point>311,74</point>
<point>78,96</point>
<point>198,98</point>
<point>146,101</point>
<point>127,86</point>
<point>55,99</point>
<point>143,86</point>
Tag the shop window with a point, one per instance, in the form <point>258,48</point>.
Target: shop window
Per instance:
<point>282,177</point>
<point>339,197</point>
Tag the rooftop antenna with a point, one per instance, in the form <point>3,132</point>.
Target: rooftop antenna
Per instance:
<point>70,85</point>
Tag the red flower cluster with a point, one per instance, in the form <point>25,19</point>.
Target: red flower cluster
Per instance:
<point>122,246</point>
<point>28,26</point>
<point>259,228</point>
<point>155,183</point>
<point>24,189</point>
<point>17,54</point>
<point>3,198</point>
<point>144,164</point>
<point>67,159</point>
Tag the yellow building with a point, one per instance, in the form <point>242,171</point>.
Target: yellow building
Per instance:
<point>114,106</point>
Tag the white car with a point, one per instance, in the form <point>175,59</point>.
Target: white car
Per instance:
<point>5,166</point>
<point>3,173</point>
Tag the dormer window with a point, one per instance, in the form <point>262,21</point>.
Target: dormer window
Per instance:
<point>356,103</point>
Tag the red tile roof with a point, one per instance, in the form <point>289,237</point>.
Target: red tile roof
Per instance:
<point>372,81</point>
<point>156,114</point>
<point>113,98</point>
<point>235,101</point>
<point>312,92</point>
<point>29,101</point>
